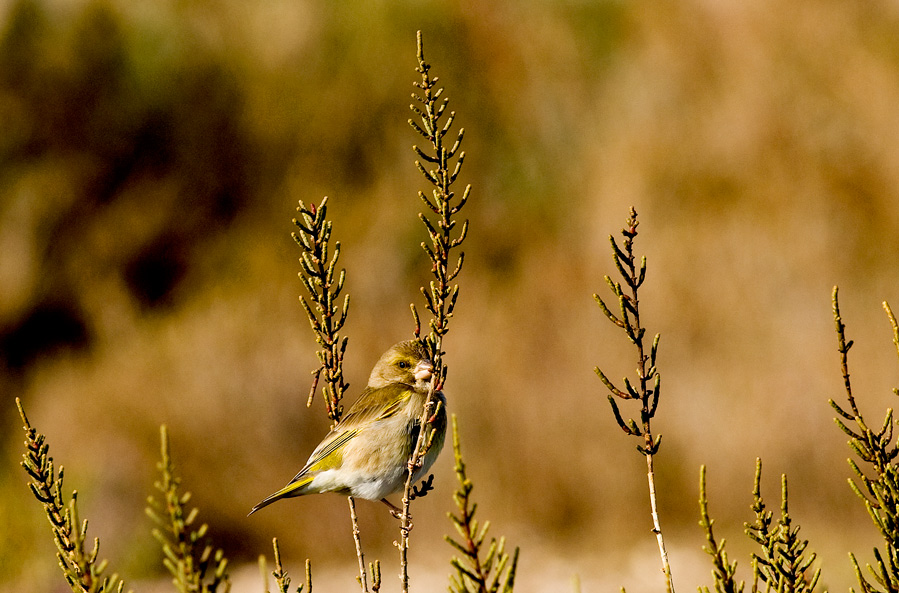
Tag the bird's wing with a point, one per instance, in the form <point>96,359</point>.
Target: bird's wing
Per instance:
<point>372,406</point>
<point>376,404</point>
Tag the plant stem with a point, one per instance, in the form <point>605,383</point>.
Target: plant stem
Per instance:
<point>656,526</point>
<point>628,319</point>
<point>317,273</point>
<point>363,577</point>
<point>440,297</point>
<point>414,464</point>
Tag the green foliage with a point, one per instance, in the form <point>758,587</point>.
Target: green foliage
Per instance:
<point>82,569</point>
<point>476,571</point>
<point>374,569</point>
<point>441,295</point>
<point>195,568</point>
<point>443,204</point>
<point>723,571</point>
<point>317,273</point>
<point>782,565</point>
<point>628,319</point>
<point>877,449</point>
<point>317,267</point>
<point>281,578</point>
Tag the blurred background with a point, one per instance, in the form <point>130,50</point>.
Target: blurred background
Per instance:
<point>151,158</point>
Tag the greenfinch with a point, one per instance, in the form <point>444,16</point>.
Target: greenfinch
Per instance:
<point>366,455</point>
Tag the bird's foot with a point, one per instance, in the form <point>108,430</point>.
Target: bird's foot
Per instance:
<point>396,511</point>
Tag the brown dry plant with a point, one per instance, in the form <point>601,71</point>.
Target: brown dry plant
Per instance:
<point>646,390</point>
<point>82,569</point>
<point>195,566</point>
<point>442,164</point>
<point>877,450</point>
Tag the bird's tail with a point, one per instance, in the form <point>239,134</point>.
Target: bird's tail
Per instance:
<point>295,488</point>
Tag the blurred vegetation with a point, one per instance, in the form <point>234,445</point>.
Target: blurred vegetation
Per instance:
<point>150,160</point>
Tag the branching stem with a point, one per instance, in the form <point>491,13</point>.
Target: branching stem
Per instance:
<point>441,293</point>
<point>82,569</point>
<point>327,316</point>
<point>627,317</point>
<point>878,450</point>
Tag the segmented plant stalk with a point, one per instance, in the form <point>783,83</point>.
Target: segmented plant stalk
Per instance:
<point>723,571</point>
<point>281,578</point>
<point>490,572</point>
<point>879,450</point>
<point>82,569</point>
<point>327,316</point>
<point>440,166</point>
<point>646,392</point>
<point>357,539</point>
<point>656,525</point>
<point>188,561</point>
<point>784,564</point>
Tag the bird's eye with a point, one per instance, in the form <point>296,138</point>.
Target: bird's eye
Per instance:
<point>403,364</point>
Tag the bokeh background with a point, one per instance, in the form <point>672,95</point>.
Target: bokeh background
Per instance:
<point>151,156</point>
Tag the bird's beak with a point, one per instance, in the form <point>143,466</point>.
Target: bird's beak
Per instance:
<point>423,370</point>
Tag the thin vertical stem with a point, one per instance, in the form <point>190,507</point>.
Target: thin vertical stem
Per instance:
<point>414,464</point>
<point>363,576</point>
<point>327,316</point>
<point>657,527</point>
<point>633,273</point>
<point>649,448</point>
<point>440,296</point>
<point>843,348</point>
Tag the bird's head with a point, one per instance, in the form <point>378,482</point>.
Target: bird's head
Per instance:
<point>406,362</point>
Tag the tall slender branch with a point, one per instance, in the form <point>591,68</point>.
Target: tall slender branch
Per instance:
<point>442,205</point>
<point>723,571</point>
<point>195,567</point>
<point>475,571</point>
<point>646,392</point>
<point>82,569</point>
<point>327,316</point>
<point>877,450</point>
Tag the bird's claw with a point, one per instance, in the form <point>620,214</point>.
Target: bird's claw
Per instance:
<point>397,512</point>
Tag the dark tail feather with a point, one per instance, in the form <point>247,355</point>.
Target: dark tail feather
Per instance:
<point>264,503</point>
<point>286,492</point>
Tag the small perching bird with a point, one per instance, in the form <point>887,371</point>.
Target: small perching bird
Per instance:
<point>367,454</point>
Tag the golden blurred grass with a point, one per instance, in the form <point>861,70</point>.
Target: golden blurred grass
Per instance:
<point>149,165</point>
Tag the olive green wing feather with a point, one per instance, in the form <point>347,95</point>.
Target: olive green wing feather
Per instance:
<point>372,406</point>
<point>376,404</point>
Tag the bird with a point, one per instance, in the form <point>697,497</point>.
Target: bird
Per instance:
<point>366,454</point>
